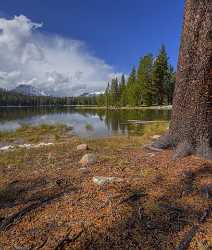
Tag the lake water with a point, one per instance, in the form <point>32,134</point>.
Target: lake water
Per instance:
<point>86,123</point>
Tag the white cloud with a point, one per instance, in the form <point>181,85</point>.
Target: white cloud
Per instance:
<point>57,65</point>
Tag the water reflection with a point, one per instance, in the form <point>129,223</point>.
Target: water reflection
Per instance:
<point>103,123</point>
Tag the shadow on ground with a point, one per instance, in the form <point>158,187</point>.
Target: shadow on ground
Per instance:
<point>161,225</point>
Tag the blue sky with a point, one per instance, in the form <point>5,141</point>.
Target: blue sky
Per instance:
<point>116,31</point>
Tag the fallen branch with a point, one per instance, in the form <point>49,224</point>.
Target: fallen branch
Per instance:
<point>133,197</point>
<point>184,244</point>
<point>67,240</point>
<point>6,223</point>
<point>42,245</point>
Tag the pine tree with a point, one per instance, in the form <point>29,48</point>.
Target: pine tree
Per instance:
<point>107,95</point>
<point>132,88</point>
<point>122,84</point>
<point>144,79</point>
<point>191,124</point>
<point>169,84</point>
<point>115,93</point>
<point>123,91</point>
<point>159,75</point>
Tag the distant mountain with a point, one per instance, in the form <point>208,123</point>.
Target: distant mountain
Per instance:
<point>86,94</point>
<point>28,90</point>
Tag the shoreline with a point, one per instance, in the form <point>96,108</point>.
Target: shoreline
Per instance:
<point>164,107</point>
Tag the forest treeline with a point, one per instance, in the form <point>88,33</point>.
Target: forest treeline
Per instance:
<point>152,83</point>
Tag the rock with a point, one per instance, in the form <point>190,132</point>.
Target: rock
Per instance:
<point>100,180</point>
<point>7,148</point>
<point>151,154</point>
<point>88,159</point>
<point>155,137</point>
<point>84,170</point>
<point>82,147</point>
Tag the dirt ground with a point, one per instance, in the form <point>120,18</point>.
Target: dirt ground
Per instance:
<point>48,201</point>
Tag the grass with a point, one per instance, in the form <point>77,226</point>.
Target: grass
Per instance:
<point>89,127</point>
<point>154,129</point>
<point>55,133</point>
<point>34,133</point>
<point>117,142</point>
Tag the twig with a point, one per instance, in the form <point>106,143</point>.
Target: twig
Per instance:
<point>184,244</point>
<point>42,245</point>
<point>67,240</point>
<point>132,198</point>
<point>6,223</point>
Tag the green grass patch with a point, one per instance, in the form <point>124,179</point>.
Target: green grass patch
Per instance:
<point>156,128</point>
<point>89,127</point>
<point>34,133</point>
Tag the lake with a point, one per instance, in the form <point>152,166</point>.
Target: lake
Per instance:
<point>88,123</point>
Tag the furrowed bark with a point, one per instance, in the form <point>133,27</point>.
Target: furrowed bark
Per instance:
<point>191,123</point>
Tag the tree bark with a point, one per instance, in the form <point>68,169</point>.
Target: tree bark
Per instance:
<point>191,123</point>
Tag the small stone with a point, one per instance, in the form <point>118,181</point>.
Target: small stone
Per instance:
<point>151,154</point>
<point>84,170</point>
<point>82,147</point>
<point>100,180</point>
<point>155,137</point>
<point>88,159</point>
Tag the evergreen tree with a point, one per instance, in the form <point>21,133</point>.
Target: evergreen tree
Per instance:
<point>107,95</point>
<point>122,84</point>
<point>144,79</point>
<point>159,75</point>
<point>123,92</point>
<point>169,84</point>
<point>115,93</point>
<point>151,83</point>
<point>132,96</point>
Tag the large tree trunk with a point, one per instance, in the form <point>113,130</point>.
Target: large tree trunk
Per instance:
<point>191,123</point>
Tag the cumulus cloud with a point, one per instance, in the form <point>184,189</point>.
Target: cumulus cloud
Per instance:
<point>54,64</point>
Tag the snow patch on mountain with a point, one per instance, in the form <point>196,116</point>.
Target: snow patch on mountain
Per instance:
<point>28,90</point>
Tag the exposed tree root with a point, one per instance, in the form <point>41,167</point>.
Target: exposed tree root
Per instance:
<point>152,148</point>
<point>205,151</point>
<point>181,149</point>
<point>164,142</point>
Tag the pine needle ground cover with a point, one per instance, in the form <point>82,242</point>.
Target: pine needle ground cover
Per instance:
<point>48,201</point>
